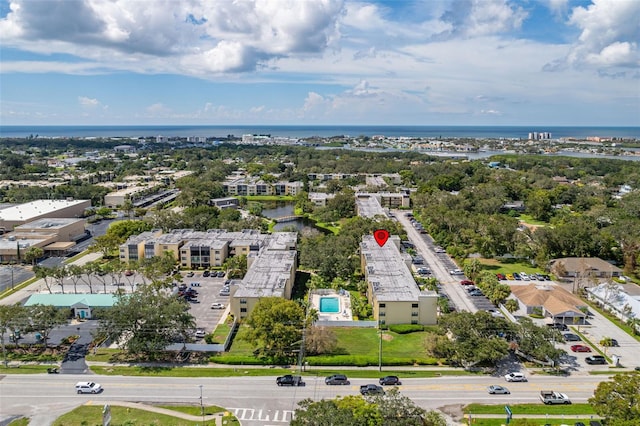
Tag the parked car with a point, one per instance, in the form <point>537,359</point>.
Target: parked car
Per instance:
<point>515,377</point>
<point>456,272</point>
<point>501,277</point>
<point>200,333</point>
<point>190,274</point>
<point>516,276</point>
<point>440,250</point>
<point>524,275</point>
<point>509,276</point>
<point>220,274</point>
<point>476,293</point>
<point>610,342</point>
<point>580,348</point>
<point>289,380</point>
<point>495,389</point>
<point>128,273</point>
<point>390,381</point>
<point>595,359</point>
<point>337,379</point>
<point>546,277</point>
<point>467,282</point>
<point>88,387</point>
<point>559,326</point>
<point>570,337</point>
<point>217,306</point>
<point>206,273</point>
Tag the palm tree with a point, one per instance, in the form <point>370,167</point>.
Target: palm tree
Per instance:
<point>634,323</point>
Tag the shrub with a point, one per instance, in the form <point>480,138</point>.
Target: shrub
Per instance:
<point>406,328</point>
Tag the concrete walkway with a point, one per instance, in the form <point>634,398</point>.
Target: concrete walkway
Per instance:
<point>217,418</point>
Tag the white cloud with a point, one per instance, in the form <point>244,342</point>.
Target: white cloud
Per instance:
<point>88,102</point>
<point>609,36</point>
<point>475,18</point>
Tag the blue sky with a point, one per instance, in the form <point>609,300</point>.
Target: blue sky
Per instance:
<point>219,62</point>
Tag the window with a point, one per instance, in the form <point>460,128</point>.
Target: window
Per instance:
<point>243,301</point>
<point>382,322</point>
<point>414,314</point>
<point>382,305</point>
<point>414,305</point>
<point>243,310</point>
<point>414,321</point>
<point>382,314</point>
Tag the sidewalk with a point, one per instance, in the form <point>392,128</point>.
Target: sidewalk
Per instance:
<point>217,418</point>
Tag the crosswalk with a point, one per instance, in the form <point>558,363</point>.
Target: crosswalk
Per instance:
<point>263,416</point>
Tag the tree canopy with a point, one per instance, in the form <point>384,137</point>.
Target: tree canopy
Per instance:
<point>618,400</point>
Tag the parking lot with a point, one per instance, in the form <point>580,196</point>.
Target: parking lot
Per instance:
<point>208,292</point>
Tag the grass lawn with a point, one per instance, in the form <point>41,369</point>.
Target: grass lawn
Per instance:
<point>89,415</point>
<point>221,332</point>
<point>194,410</point>
<point>496,266</point>
<point>24,369</point>
<point>528,219</point>
<point>526,422</point>
<point>524,409</point>
<point>19,422</point>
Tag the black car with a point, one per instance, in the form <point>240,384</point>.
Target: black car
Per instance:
<point>570,337</point>
<point>559,326</point>
<point>206,273</point>
<point>289,380</point>
<point>220,274</point>
<point>595,359</point>
<point>390,381</point>
<point>337,379</point>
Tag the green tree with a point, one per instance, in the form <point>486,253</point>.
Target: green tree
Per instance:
<point>106,244</point>
<point>274,328</point>
<point>512,305</point>
<point>236,266</point>
<point>150,318</point>
<point>472,268</point>
<point>12,318</point>
<point>618,400</point>
<point>32,254</point>
<point>44,318</point>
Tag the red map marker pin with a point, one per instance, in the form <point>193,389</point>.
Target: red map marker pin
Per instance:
<point>381,236</point>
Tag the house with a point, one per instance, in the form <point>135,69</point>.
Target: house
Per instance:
<point>577,267</point>
<point>80,305</point>
<point>551,301</point>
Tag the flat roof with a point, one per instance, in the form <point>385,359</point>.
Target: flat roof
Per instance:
<point>369,206</point>
<point>37,208</point>
<point>268,274</point>
<point>48,223</point>
<point>67,300</point>
<point>389,276</point>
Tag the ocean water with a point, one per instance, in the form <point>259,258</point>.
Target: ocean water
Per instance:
<point>493,132</point>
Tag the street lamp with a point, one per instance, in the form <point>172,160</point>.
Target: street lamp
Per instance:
<point>201,405</point>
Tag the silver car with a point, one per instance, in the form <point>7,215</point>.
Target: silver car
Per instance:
<point>495,389</point>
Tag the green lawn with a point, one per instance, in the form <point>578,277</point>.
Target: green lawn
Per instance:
<point>23,421</point>
<point>496,266</point>
<point>525,422</point>
<point>24,369</point>
<point>531,221</point>
<point>90,415</point>
<point>525,409</point>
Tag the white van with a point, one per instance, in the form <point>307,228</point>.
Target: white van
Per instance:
<point>88,387</point>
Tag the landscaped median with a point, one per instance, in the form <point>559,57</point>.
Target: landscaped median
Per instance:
<point>528,414</point>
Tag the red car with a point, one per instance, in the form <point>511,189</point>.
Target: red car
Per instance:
<point>501,276</point>
<point>580,348</point>
<point>467,282</point>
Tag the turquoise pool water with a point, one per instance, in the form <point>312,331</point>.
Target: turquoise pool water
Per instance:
<point>329,305</point>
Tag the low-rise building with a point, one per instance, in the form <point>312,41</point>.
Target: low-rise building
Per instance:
<point>28,212</point>
<point>368,206</point>
<point>391,289</point>
<point>582,267</point>
<point>550,301</point>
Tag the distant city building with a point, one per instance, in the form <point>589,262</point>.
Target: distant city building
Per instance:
<point>539,135</point>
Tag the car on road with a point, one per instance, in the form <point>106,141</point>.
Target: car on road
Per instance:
<point>88,387</point>
<point>595,359</point>
<point>570,337</point>
<point>580,348</point>
<point>495,389</point>
<point>289,380</point>
<point>371,389</point>
<point>515,377</point>
<point>217,305</point>
<point>337,379</point>
<point>390,381</point>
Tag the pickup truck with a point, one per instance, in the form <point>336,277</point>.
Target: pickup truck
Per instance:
<point>371,390</point>
<point>552,397</point>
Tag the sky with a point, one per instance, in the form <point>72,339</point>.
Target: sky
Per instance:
<point>320,62</point>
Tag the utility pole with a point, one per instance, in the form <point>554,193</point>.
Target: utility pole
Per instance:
<point>201,405</point>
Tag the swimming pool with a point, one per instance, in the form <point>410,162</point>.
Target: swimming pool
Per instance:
<point>329,305</point>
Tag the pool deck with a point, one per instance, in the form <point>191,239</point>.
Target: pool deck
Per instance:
<point>344,300</point>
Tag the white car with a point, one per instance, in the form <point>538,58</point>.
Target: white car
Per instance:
<point>88,387</point>
<point>456,272</point>
<point>217,306</point>
<point>515,377</point>
<point>200,333</point>
<point>524,276</point>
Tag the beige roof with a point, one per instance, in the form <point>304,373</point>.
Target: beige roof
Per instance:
<point>572,264</point>
<point>554,299</point>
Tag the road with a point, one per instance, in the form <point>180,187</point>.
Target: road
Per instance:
<point>440,270</point>
<point>257,401</point>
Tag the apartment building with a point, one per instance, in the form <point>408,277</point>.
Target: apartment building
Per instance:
<point>391,289</point>
<point>249,186</point>
<point>390,200</point>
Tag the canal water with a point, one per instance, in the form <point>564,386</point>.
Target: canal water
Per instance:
<point>273,209</point>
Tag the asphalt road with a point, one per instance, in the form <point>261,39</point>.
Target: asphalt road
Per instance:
<point>13,275</point>
<point>257,401</point>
